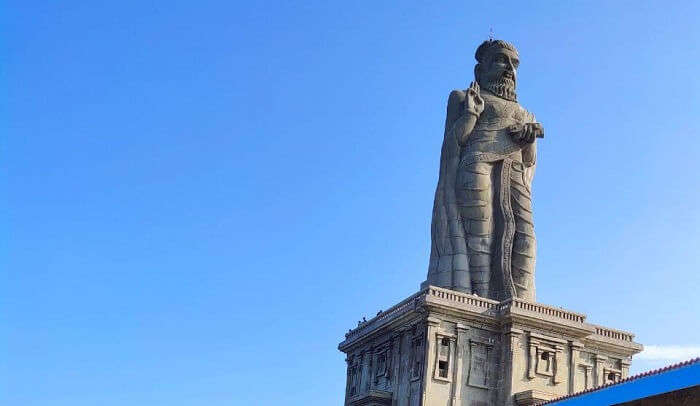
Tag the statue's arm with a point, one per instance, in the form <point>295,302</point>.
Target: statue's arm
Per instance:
<point>532,131</point>
<point>464,127</point>
<point>530,154</point>
<point>465,108</point>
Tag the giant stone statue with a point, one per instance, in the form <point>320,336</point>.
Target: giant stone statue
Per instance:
<point>445,346</point>
<point>483,238</point>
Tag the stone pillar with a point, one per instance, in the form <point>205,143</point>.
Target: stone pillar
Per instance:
<point>433,324</point>
<point>590,382</point>
<point>390,361</point>
<point>532,359</point>
<point>625,367</point>
<point>575,352</point>
<point>459,353</point>
<point>559,364</point>
<point>396,359</point>
<point>511,357</point>
<point>599,373</point>
<point>348,361</point>
<point>372,369</point>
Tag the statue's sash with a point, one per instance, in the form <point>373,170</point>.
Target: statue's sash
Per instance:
<point>507,159</point>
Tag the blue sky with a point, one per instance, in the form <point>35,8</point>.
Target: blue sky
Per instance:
<point>202,197</point>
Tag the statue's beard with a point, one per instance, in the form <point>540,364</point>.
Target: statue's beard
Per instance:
<point>503,88</point>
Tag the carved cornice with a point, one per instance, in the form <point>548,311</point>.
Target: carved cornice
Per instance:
<point>510,316</point>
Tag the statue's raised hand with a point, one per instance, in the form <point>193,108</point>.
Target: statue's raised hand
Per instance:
<point>473,102</point>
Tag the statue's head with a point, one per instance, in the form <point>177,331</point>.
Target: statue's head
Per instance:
<point>496,70</point>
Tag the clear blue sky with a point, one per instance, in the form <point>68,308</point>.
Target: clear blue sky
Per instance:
<point>200,198</point>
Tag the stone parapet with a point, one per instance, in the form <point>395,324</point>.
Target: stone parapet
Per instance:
<point>544,310</point>
<point>613,334</point>
<point>384,317</point>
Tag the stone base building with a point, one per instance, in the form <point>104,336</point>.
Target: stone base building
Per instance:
<point>446,348</point>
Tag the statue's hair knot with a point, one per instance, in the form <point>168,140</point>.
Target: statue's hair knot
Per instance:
<point>490,45</point>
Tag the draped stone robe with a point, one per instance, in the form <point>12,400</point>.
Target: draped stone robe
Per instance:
<point>482,230</point>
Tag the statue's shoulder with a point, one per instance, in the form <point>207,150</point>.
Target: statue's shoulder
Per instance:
<point>456,96</point>
<point>454,106</point>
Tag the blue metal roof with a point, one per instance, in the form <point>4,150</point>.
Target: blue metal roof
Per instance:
<point>671,378</point>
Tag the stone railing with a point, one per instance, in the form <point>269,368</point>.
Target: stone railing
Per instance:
<point>614,334</point>
<point>390,313</point>
<point>458,297</point>
<point>487,304</point>
<point>545,310</point>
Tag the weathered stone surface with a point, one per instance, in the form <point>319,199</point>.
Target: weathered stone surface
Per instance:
<point>443,347</point>
<point>483,238</point>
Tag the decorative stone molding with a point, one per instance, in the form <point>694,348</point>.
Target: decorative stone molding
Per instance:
<point>492,313</point>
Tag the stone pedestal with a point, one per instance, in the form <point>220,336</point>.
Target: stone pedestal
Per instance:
<point>442,347</point>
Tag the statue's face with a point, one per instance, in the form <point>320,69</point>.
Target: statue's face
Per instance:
<point>500,74</point>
